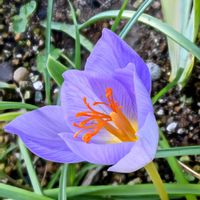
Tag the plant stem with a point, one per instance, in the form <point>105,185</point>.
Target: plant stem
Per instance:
<point>30,168</point>
<point>77,40</point>
<point>167,87</point>
<point>157,181</point>
<point>174,165</point>
<point>63,183</point>
<point>68,60</point>
<point>134,18</point>
<point>119,16</point>
<point>48,47</point>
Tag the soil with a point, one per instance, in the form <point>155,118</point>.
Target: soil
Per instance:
<point>178,112</point>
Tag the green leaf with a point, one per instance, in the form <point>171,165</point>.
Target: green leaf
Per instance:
<point>28,9</point>
<point>134,18</point>
<point>56,70</point>
<point>19,24</point>
<point>30,168</point>
<point>169,86</point>
<point>70,30</point>
<point>9,116</point>
<point>4,85</point>
<point>151,21</point>
<point>178,151</point>
<point>40,61</point>
<point>41,58</point>
<point>118,18</point>
<point>127,190</point>
<point>77,39</point>
<point>182,16</point>
<point>4,105</point>
<point>7,191</point>
<point>63,183</point>
<point>20,21</point>
<point>54,178</point>
<point>175,166</point>
<point>5,152</point>
<point>82,172</point>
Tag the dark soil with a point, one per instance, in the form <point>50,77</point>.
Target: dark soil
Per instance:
<point>178,112</point>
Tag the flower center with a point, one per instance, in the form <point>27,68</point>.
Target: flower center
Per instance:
<point>115,123</point>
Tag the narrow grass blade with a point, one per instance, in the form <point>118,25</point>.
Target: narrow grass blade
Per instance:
<point>71,174</point>
<point>56,70</point>
<point>4,105</point>
<point>134,18</point>
<point>7,191</point>
<point>82,172</point>
<point>70,30</point>
<point>54,179</point>
<point>144,190</point>
<point>48,49</point>
<point>7,151</point>
<point>77,40</point>
<point>30,168</point>
<point>4,85</point>
<point>63,183</point>
<point>68,60</point>
<point>9,116</point>
<point>177,151</point>
<point>175,167</point>
<point>119,16</point>
<point>167,87</point>
<point>151,21</point>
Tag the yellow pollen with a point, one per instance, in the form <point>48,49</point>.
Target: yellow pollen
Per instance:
<point>115,123</point>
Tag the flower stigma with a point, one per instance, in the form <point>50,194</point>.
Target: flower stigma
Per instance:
<point>116,123</point>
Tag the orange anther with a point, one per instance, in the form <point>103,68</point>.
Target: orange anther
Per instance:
<point>94,120</point>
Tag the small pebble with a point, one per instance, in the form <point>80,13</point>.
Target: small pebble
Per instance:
<point>5,72</point>
<point>27,95</point>
<point>15,61</point>
<point>35,48</point>
<point>154,70</point>
<point>38,96</point>
<point>38,85</point>
<point>180,130</point>
<point>161,101</point>
<point>185,159</point>
<point>191,128</point>
<point>171,127</point>
<point>20,74</point>
<point>137,180</point>
<point>33,77</point>
<point>19,55</point>
<point>160,112</point>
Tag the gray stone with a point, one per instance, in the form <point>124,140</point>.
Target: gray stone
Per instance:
<point>160,112</point>
<point>181,131</point>
<point>5,72</point>
<point>20,74</point>
<point>38,96</point>
<point>171,127</point>
<point>154,70</point>
<point>38,85</point>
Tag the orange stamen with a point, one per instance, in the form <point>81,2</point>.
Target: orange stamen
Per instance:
<point>94,120</point>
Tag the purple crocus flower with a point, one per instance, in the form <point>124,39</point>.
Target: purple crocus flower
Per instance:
<point>106,115</point>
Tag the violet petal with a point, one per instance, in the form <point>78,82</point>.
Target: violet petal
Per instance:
<point>39,131</point>
<point>111,52</point>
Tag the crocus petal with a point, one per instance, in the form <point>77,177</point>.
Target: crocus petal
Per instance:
<point>103,154</point>
<point>39,131</point>
<point>79,84</point>
<point>143,151</point>
<point>142,98</point>
<point>111,53</point>
<point>130,80</point>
